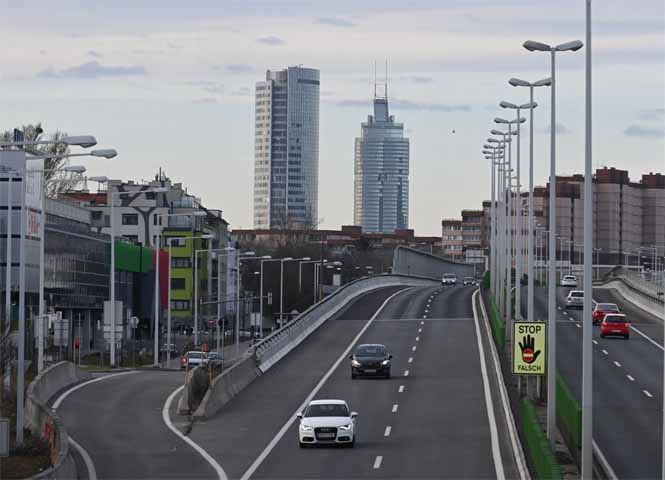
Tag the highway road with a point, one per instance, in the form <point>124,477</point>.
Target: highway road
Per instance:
<point>429,420</point>
<point>628,383</point>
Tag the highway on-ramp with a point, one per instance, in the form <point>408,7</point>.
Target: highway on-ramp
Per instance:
<point>430,420</point>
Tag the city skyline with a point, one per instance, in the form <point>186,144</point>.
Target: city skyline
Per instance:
<point>192,72</point>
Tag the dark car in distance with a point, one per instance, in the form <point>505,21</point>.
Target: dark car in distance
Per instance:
<point>370,360</point>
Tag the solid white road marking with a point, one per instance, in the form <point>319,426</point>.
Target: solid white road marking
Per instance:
<point>271,445</point>
<point>494,436</point>
<point>410,359</point>
<point>605,352</point>
<point>406,373</point>
<point>387,432</point>
<point>647,337</point>
<point>166,416</point>
<point>377,462</point>
<point>630,378</point>
<point>646,392</point>
<point>395,407</point>
<point>617,364</point>
<point>401,388</point>
<point>89,464</point>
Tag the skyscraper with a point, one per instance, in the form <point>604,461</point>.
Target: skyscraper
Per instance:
<point>381,167</point>
<point>286,149</point>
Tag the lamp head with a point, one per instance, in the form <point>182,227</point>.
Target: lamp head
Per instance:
<point>85,141</point>
<point>516,82</point>
<point>573,46</point>
<point>104,153</point>
<point>545,82</point>
<point>529,105</point>
<point>74,169</point>
<point>507,105</point>
<point>532,46</point>
<point>100,179</point>
<point>501,120</point>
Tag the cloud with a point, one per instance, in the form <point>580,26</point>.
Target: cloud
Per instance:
<point>399,104</point>
<point>205,101</point>
<point>271,40</point>
<point>236,68</point>
<point>92,70</point>
<point>645,132</point>
<point>242,92</point>
<point>95,54</point>
<point>335,22</point>
<point>207,86</point>
<point>416,79</point>
<point>561,129</point>
<point>653,114</point>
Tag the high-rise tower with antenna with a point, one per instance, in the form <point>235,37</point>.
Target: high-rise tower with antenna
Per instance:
<point>381,169</point>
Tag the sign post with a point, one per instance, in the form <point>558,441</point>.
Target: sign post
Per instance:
<point>529,348</point>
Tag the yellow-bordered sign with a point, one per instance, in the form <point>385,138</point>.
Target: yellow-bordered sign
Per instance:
<point>530,347</point>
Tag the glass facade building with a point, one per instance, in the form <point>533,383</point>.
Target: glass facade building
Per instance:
<point>381,173</point>
<point>286,149</point>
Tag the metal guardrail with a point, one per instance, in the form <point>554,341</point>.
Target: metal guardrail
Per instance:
<point>272,348</point>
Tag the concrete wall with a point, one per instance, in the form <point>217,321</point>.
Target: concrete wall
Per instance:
<point>407,261</point>
<point>37,414</point>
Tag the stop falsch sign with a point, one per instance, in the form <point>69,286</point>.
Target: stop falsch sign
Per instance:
<point>529,348</point>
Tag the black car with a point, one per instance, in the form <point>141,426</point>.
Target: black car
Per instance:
<point>371,360</point>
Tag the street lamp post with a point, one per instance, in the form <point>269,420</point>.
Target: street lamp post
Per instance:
<point>530,223</point>
<point>551,315</point>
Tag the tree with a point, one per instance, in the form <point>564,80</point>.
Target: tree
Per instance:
<point>54,182</point>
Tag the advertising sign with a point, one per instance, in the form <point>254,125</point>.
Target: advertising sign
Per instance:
<point>530,349</point>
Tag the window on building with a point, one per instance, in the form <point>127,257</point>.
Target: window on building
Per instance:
<point>178,242</point>
<point>177,262</point>
<point>177,284</point>
<point>97,215</point>
<point>130,218</point>
<point>132,238</point>
<point>180,305</point>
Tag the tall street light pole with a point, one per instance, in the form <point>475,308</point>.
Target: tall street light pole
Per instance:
<point>551,311</point>
<point>530,223</point>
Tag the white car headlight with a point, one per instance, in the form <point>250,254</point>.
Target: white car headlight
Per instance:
<point>385,362</point>
<point>306,428</point>
<point>355,363</point>
<point>346,427</point>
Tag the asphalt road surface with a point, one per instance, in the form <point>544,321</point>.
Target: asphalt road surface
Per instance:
<point>428,421</point>
<point>628,383</point>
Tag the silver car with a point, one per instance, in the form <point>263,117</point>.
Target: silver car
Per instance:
<point>575,299</point>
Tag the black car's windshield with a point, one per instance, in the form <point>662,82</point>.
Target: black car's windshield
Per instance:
<point>371,351</point>
<point>327,410</point>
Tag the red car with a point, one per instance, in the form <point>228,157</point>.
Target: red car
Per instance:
<point>603,309</point>
<point>615,324</point>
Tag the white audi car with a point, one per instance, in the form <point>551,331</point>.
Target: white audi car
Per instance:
<point>327,422</point>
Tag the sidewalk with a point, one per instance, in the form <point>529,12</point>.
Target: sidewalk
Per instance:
<point>229,354</point>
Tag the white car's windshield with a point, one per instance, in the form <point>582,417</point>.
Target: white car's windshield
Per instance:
<point>327,410</point>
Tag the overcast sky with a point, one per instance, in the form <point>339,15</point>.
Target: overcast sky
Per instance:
<point>170,84</point>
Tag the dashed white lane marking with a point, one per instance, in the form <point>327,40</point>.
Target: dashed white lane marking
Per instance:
<point>395,407</point>
<point>420,330</point>
<point>565,313</point>
<point>595,342</point>
<point>578,325</point>
<point>377,462</point>
<point>424,316</point>
<point>646,392</point>
<point>387,432</point>
<point>630,378</point>
<point>605,352</point>
<point>559,308</point>
<point>617,364</point>
<point>410,359</point>
<point>401,389</point>
<point>413,349</point>
<point>422,323</point>
<point>406,373</point>
<point>417,339</point>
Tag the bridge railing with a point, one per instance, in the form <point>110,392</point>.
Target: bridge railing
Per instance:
<point>270,350</point>
<point>409,261</point>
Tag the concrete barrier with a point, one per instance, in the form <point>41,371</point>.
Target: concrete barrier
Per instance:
<point>270,350</point>
<point>37,414</point>
<point>408,261</point>
<point>226,386</point>
<point>645,301</point>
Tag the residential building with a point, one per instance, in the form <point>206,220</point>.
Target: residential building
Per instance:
<point>452,239</point>
<point>472,227</point>
<point>381,173</point>
<point>286,149</point>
